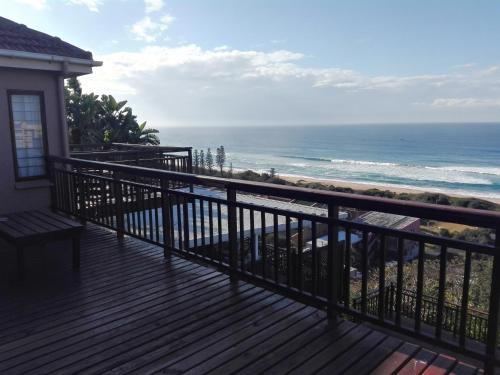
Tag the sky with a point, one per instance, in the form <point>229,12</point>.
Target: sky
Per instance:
<point>284,62</point>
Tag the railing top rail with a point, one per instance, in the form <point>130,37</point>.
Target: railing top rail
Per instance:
<point>121,152</point>
<point>151,147</point>
<point>466,216</point>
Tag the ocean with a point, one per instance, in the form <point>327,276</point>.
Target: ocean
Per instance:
<point>449,158</point>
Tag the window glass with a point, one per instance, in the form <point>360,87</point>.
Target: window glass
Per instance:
<point>29,138</point>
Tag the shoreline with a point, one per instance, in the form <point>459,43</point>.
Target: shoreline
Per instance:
<point>366,186</point>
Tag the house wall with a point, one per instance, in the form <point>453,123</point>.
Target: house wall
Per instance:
<point>26,195</point>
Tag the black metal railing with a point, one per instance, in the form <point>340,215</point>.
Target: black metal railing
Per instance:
<point>222,222</point>
<point>174,159</point>
<point>476,323</point>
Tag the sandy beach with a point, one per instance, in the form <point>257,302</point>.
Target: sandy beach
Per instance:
<point>366,186</point>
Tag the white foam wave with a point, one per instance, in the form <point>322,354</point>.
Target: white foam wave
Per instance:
<point>361,162</point>
<point>403,171</point>
<point>466,169</point>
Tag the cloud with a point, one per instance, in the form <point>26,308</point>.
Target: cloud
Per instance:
<point>37,4</point>
<point>153,5</point>
<point>191,85</point>
<point>92,5</point>
<point>465,102</point>
<point>148,30</point>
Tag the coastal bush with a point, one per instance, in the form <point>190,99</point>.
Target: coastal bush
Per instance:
<point>434,198</point>
<point>378,193</point>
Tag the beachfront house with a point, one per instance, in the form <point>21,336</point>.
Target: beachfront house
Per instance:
<point>33,66</point>
<point>392,221</point>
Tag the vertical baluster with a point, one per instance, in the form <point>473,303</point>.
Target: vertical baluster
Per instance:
<point>195,225</point>
<point>347,269</point>
<point>72,198</point>
<point>288,236</point>
<point>253,244</point>
<point>166,218</point>
<point>219,232</point>
<point>100,200</point>
<point>119,207</point>
<point>150,213</point>
<point>127,205</point>
<point>276,249</point>
<point>53,186</point>
<point>57,201</point>
<point>399,280</point>
<point>334,262</point>
<point>300,237</point>
<point>465,298</point>
<point>171,223</point>
<point>202,227</point>
<point>92,201</point>
<point>314,260</point>
<point>185,221</point>
<point>364,270</point>
<point>157,205</point>
<point>442,284</point>
<point>56,192</point>
<point>179,221</point>
<point>133,203</point>
<point>74,179</point>
<point>144,213</point>
<point>107,203</point>
<point>381,279</point>
<point>139,210</point>
<point>420,286</point>
<point>232,224</point>
<point>211,228</point>
<point>263,249</point>
<point>243,252</point>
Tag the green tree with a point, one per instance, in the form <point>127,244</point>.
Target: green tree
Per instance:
<point>196,160</point>
<point>144,136</point>
<point>202,161</point>
<point>220,158</point>
<point>209,161</point>
<point>103,120</point>
<point>82,111</point>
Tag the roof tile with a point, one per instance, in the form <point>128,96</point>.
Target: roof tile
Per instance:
<point>18,37</point>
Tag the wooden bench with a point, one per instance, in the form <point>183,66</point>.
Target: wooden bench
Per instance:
<point>39,228</point>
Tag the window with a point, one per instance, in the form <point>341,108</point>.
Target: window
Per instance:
<point>26,114</point>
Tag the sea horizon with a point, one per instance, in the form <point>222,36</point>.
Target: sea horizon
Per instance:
<point>451,158</point>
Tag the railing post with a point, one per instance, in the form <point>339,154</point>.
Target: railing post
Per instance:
<point>493,311</point>
<point>119,212</point>
<point>166,219</point>
<point>334,262</point>
<point>233,229</point>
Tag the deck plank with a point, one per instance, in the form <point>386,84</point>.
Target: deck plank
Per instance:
<point>131,310</point>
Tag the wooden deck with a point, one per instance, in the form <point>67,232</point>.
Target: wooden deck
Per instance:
<point>130,310</point>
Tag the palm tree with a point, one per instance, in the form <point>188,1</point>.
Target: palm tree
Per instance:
<point>144,136</point>
<point>103,120</point>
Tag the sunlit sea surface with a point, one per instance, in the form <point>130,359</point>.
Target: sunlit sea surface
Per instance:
<point>452,158</point>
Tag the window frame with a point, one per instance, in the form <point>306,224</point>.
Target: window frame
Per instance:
<point>45,143</point>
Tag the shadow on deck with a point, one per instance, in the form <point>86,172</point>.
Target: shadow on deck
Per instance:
<point>129,309</point>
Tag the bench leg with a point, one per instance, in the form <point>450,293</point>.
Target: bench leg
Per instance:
<point>76,252</point>
<point>20,262</point>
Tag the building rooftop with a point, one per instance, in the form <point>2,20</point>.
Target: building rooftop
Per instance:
<point>18,37</point>
<point>383,219</point>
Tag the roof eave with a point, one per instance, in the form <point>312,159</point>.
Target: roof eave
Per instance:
<point>69,66</point>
